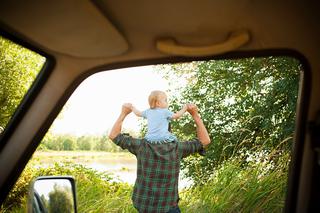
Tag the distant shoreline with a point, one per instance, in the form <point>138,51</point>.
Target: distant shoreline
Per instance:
<point>83,155</point>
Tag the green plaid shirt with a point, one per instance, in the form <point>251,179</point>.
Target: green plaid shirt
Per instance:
<point>156,186</point>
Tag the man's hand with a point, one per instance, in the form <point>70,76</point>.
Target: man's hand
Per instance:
<point>192,109</point>
<point>116,129</point>
<point>202,132</point>
<point>126,108</point>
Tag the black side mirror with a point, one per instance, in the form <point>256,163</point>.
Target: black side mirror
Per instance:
<point>53,194</point>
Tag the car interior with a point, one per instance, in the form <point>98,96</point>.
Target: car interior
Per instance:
<point>81,38</point>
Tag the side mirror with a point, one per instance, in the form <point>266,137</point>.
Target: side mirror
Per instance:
<point>53,194</point>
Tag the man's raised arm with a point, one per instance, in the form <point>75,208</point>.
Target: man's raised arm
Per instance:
<point>116,129</point>
<point>202,132</point>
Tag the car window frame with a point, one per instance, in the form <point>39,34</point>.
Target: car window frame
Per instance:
<point>43,75</point>
<point>302,107</point>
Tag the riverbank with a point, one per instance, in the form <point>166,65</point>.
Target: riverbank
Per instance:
<point>83,154</point>
<point>94,159</point>
<point>121,165</point>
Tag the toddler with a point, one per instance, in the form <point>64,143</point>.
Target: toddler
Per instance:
<point>158,117</point>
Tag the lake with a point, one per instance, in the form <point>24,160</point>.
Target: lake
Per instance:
<point>123,166</point>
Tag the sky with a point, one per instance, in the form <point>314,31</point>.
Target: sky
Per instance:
<point>96,103</point>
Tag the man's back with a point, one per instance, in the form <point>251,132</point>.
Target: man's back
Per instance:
<point>156,187</point>
<point>158,166</point>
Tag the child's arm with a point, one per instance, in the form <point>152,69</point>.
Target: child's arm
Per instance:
<point>178,114</point>
<point>136,111</point>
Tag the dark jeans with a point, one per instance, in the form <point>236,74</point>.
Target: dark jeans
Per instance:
<point>174,210</point>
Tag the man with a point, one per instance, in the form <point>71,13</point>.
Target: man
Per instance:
<point>156,186</point>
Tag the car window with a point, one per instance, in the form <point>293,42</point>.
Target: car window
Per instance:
<point>248,106</point>
<point>19,67</point>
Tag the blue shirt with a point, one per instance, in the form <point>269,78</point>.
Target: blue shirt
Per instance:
<point>158,124</point>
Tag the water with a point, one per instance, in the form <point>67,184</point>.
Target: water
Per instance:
<point>127,172</point>
<point>122,166</point>
<point>124,171</point>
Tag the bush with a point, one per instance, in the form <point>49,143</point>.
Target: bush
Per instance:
<point>96,191</point>
<point>69,144</point>
<point>254,186</point>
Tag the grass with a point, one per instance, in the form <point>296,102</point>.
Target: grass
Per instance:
<point>240,188</point>
<point>96,191</point>
<point>234,187</point>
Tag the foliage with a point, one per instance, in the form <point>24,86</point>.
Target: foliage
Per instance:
<point>250,182</point>
<point>244,103</point>
<point>60,200</point>
<point>260,186</point>
<point>84,143</point>
<point>68,142</point>
<point>18,69</point>
<point>96,191</point>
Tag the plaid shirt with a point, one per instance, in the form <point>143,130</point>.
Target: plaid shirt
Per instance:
<point>156,186</point>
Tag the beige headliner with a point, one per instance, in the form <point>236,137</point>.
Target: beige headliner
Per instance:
<point>77,27</point>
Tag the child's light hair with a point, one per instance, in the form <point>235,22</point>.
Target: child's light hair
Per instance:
<point>154,97</point>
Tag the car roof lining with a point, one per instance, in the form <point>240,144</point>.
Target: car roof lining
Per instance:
<point>118,30</point>
<point>74,28</point>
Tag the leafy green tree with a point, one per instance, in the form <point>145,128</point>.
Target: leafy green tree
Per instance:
<point>18,69</point>
<point>246,104</point>
<point>60,200</point>
<point>44,201</point>
<point>69,144</point>
<point>84,143</point>
<point>55,142</point>
<point>45,141</point>
<point>101,144</point>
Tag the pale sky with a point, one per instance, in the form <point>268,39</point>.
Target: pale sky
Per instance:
<point>96,103</point>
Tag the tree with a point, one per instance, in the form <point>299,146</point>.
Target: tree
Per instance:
<point>69,144</point>
<point>84,143</point>
<point>245,104</point>
<point>102,143</point>
<point>18,69</point>
<point>60,200</point>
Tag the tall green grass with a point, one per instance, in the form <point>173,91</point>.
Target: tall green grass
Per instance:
<point>256,183</point>
<point>238,186</point>
<point>96,191</point>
